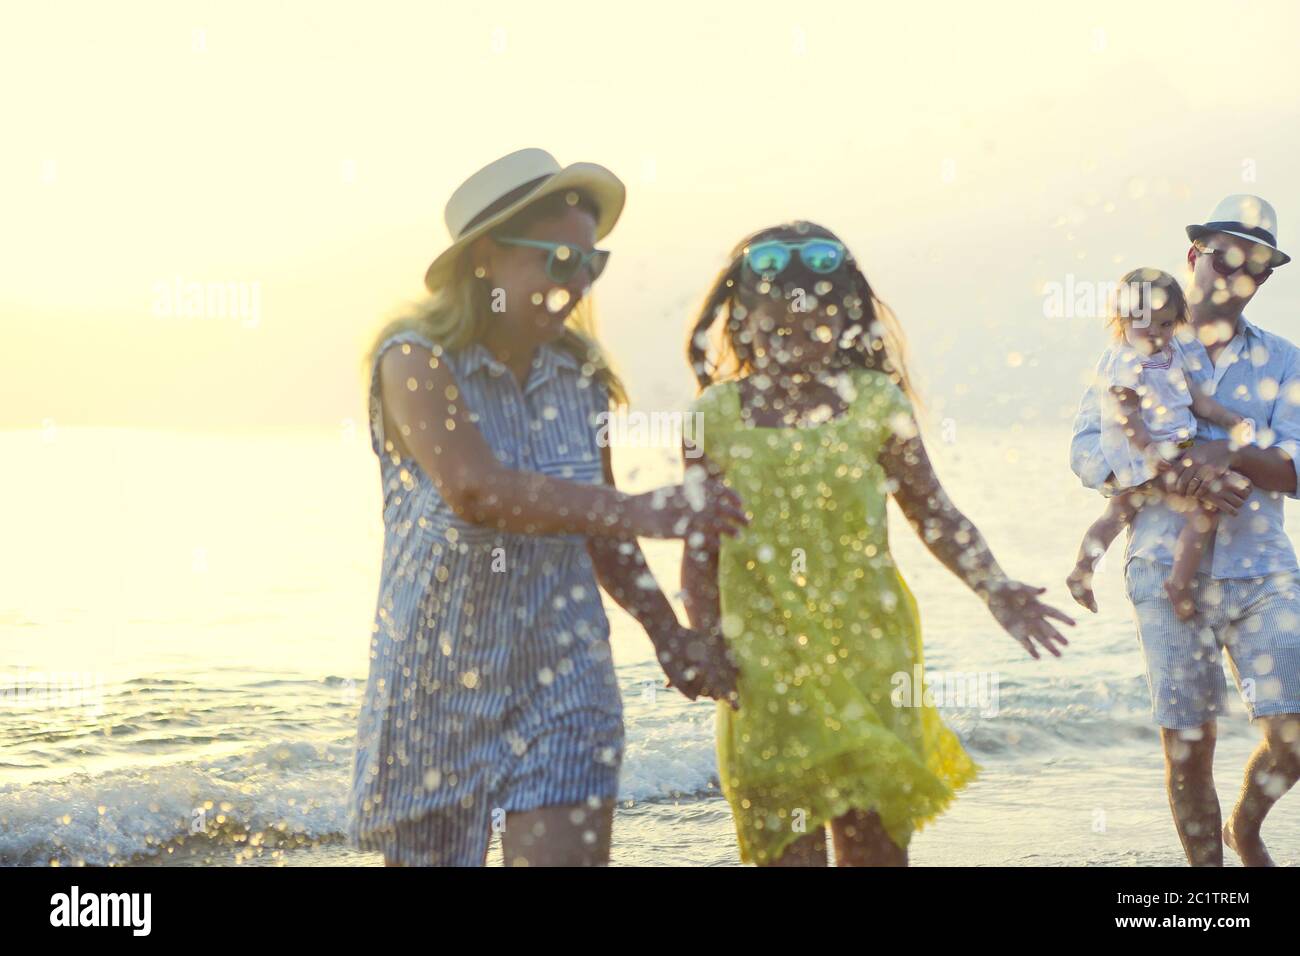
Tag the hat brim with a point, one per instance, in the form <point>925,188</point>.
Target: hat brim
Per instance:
<point>605,189</point>
<point>1278,257</point>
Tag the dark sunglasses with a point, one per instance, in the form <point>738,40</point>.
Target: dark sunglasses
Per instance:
<point>564,261</point>
<point>773,256</point>
<point>1219,260</point>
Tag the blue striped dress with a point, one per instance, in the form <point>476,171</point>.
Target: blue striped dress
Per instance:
<point>491,686</point>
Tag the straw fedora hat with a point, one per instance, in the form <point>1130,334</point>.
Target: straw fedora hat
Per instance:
<point>1245,216</point>
<point>503,187</point>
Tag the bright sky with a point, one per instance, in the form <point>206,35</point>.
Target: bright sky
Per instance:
<point>304,155</point>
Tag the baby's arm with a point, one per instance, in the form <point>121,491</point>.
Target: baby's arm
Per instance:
<point>1130,413</point>
<point>1203,406</point>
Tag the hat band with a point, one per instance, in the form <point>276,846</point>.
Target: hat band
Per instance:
<point>503,202</point>
<point>1263,235</point>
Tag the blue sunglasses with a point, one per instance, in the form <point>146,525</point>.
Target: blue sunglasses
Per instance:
<point>773,256</point>
<point>564,261</point>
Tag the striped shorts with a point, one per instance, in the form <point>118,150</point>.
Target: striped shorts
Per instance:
<point>561,746</point>
<point>1256,621</point>
<point>462,728</point>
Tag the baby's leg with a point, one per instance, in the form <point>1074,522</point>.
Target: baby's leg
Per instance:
<point>1119,513</point>
<point>1198,527</point>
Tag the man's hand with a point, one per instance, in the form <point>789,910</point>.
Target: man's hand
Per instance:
<point>1228,495</point>
<point>1204,471</point>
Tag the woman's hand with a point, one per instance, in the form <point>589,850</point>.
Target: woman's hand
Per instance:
<point>708,507</point>
<point>697,663</point>
<point>1016,607</point>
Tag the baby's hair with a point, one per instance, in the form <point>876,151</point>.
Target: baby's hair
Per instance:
<point>1141,292</point>
<point>872,338</point>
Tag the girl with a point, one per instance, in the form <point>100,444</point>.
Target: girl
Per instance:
<point>492,702</point>
<point>1148,415</point>
<point>807,414</point>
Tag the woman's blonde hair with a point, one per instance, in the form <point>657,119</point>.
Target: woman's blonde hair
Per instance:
<point>456,314</point>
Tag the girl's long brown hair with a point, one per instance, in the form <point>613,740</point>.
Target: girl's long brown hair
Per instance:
<point>872,338</point>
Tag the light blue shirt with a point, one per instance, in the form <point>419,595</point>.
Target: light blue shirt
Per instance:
<point>1258,377</point>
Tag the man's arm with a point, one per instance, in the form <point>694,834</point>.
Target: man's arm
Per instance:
<point>1272,469</point>
<point>1217,473</point>
<point>1279,459</point>
<point>1086,457</point>
<point>1270,466</point>
<point>1209,463</point>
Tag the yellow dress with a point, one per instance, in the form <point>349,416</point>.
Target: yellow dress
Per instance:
<point>825,631</point>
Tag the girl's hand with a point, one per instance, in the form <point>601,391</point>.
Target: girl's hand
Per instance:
<point>697,663</point>
<point>708,507</point>
<point>1016,607</point>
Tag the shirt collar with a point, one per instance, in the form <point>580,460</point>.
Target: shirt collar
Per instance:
<point>474,357</point>
<point>546,363</point>
<point>1198,361</point>
<point>1245,330</point>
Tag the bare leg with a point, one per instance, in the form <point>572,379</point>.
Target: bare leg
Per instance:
<point>1118,514</point>
<point>1189,779</point>
<point>808,850</point>
<point>1180,586</point>
<point>861,840</point>
<point>1271,771</point>
<point>431,862</point>
<point>558,836</point>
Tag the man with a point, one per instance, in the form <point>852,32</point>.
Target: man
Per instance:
<point>1248,588</point>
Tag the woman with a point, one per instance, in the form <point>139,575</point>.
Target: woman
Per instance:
<point>492,701</point>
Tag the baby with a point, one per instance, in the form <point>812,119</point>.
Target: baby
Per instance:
<point>1148,415</point>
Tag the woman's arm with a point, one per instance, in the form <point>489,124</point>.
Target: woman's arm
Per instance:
<point>421,400</point>
<point>960,547</point>
<point>695,663</point>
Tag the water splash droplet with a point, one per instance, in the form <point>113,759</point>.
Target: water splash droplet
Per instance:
<point>557,299</point>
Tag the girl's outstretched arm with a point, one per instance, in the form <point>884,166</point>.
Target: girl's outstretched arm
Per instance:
<point>696,663</point>
<point>959,546</point>
<point>422,400</point>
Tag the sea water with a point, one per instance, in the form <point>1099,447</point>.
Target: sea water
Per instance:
<point>183,642</point>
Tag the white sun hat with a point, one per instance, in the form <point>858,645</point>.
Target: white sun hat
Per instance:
<point>503,187</point>
<point>1245,216</point>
